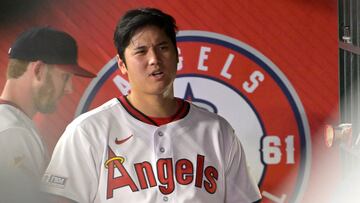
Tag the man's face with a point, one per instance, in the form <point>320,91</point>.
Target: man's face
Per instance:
<point>151,61</point>
<point>57,83</point>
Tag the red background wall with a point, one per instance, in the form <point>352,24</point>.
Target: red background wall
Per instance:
<point>299,36</point>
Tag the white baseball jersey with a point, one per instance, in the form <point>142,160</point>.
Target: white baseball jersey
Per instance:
<point>23,156</point>
<point>21,146</point>
<point>115,153</point>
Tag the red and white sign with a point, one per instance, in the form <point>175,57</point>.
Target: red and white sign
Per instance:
<point>271,69</point>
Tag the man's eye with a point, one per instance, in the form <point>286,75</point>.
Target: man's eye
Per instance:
<point>163,47</point>
<point>140,52</point>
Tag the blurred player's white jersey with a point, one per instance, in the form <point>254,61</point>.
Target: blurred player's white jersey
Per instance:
<point>22,149</point>
<point>23,156</point>
<point>115,153</point>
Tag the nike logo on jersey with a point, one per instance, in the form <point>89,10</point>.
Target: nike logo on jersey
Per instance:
<point>169,172</point>
<point>123,140</point>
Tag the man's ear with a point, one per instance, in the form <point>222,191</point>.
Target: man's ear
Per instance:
<point>38,68</point>
<point>121,65</point>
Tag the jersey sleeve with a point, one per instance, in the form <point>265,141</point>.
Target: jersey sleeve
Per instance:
<point>240,185</point>
<point>71,172</point>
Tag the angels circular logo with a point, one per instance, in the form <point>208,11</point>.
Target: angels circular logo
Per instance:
<point>230,78</point>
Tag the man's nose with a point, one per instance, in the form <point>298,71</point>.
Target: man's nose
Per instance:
<point>154,57</point>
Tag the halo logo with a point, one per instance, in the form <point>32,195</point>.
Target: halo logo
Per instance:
<point>232,79</point>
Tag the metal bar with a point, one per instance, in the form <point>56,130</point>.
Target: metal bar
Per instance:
<point>349,47</point>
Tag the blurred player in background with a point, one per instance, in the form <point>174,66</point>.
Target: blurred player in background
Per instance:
<point>149,146</point>
<point>41,64</point>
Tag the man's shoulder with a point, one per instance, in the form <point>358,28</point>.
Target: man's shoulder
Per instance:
<point>200,111</point>
<point>10,117</point>
<point>203,114</point>
<point>97,114</point>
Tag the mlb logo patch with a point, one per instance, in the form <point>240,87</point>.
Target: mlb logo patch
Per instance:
<point>54,180</point>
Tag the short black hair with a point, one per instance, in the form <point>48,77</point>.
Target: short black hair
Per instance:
<point>134,19</point>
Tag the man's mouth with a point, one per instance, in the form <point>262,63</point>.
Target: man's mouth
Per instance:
<point>156,73</point>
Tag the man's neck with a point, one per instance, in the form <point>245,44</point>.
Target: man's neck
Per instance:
<point>154,105</point>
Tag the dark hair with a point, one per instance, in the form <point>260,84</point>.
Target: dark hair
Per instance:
<point>132,20</point>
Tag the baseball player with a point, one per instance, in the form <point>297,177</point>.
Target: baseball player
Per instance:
<point>149,146</point>
<point>42,62</point>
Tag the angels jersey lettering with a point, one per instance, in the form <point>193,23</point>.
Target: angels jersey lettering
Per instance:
<point>183,171</point>
<point>115,153</point>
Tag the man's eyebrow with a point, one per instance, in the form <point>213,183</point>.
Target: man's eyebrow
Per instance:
<point>162,43</point>
<point>140,47</point>
<point>144,46</point>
